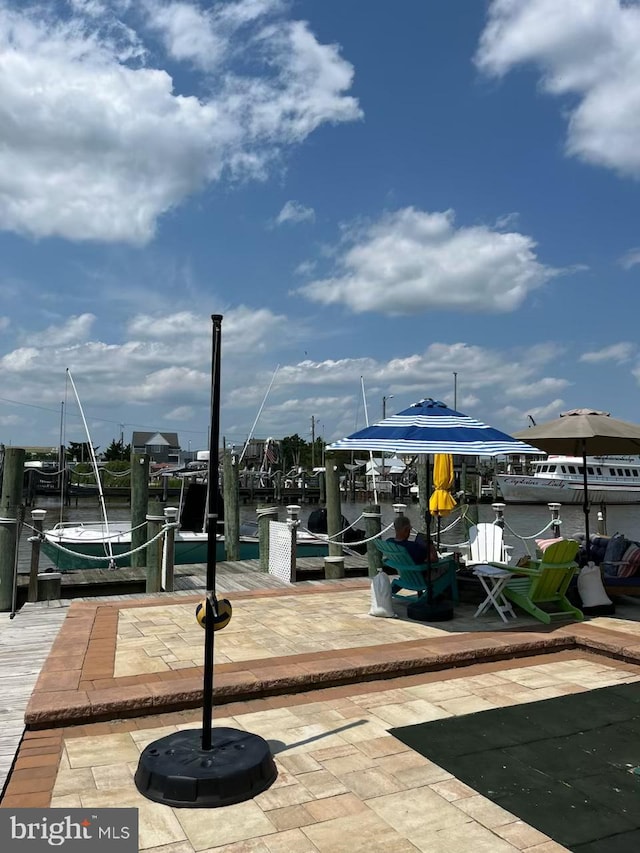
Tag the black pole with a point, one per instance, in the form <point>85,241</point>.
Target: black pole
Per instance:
<point>427,522</point>
<point>212,529</point>
<point>585,502</point>
<point>209,768</point>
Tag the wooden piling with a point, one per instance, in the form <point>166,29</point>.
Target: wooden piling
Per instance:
<point>334,516</point>
<point>424,491</point>
<point>231,486</point>
<point>37,521</point>
<point>139,506</point>
<point>266,514</point>
<point>373,526</point>
<point>154,554</point>
<point>10,503</point>
<point>169,549</point>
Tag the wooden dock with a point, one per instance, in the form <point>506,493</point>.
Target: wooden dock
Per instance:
<point>230,577</point>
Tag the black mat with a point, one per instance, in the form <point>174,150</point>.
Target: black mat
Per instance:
<point>566,766</point>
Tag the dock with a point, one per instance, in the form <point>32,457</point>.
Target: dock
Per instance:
<point>236,576</point>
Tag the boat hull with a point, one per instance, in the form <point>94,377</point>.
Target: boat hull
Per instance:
<point>521,489</point>
<point>187,550</point>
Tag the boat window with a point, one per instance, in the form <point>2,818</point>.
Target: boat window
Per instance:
<point>543,468</point>
<point>572,469</point>
<point>627,472</point>
<point>552,469</point>
<point>599,470</point>
<point>589,470</point>
<point>581,470</point>
<point>563,469</point>
<point>634,472</point>
<point>619,472</point>
<point>612,471</point>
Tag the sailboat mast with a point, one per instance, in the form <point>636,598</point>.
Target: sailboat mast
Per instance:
<point>366,420</point>
<point>94,463</point>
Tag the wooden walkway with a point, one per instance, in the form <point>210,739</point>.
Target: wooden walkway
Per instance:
<point>230,576</point>
<point>26,639</point>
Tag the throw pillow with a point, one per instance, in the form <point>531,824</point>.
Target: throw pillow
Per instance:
<point>634,564</point>
<point>628,567</point>
<point>616,547</point>
<point>543,544</point>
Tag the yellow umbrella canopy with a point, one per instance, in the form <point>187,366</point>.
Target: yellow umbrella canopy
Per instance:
<point>441,502</point>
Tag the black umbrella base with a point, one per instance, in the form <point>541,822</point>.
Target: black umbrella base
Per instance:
<point>436,611</point>
<point>176,770</point>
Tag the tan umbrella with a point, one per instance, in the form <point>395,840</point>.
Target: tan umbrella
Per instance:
<point>584,432</point>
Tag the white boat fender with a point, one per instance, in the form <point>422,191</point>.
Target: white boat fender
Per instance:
<point>591,589</point>
<point>381,601</point>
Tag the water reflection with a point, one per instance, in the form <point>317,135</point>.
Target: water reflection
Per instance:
<point>520,521</point>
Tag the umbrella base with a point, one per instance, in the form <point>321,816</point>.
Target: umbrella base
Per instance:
<point>435,611</point>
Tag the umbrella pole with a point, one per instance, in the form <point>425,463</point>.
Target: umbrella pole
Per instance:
<point>585,502</point>
<point>427,521</point>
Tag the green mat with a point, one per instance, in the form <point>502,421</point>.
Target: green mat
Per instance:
<point>569,766</point>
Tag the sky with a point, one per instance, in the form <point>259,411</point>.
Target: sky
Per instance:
<point>385,201</point>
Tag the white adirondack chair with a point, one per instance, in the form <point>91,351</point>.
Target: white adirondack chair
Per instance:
<point>486,545</point>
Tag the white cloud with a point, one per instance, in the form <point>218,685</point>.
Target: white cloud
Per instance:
<point>188,33</point>
<point>71,331</point>
<point>412,260</point>
<point>156,371</point>
<point>630,259</point>
<point>293,211</point>
<point>10,420</point>
<point>180,413</point>
<point>97,145</point>
<point>586,49</point>
<point>619,353</point>
<point>541,387</point>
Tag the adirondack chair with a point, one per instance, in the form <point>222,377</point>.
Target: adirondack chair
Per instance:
<point>413,576</point>
<point>486,545</point>
<point>546,582</point>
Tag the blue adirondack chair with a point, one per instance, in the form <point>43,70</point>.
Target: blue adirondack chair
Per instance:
<point>413,576</point>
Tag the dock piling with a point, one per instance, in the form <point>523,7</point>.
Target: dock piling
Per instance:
<point>37,519</point>
<point>139,505</point>
<point>266,514</point>
<point>154,554</point>
<point>373,526</point>
<point>169,550</point>
<point>10,504</point>
<point>231,486</point>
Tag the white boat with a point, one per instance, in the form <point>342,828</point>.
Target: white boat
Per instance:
<point>610,480</point>
<point>87,540</point>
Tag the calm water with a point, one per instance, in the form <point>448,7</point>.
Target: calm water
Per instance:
<point>520,521</point>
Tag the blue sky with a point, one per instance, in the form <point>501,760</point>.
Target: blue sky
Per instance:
<point>379,194</point>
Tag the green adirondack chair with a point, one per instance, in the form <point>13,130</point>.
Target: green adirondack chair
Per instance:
<point>546,582</point>
<point>413,576</point>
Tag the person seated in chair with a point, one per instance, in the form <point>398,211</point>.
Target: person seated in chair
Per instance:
<point>418,550</point>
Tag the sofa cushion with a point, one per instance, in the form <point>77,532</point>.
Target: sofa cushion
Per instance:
<point>616,547</point>
<point>629,562</point>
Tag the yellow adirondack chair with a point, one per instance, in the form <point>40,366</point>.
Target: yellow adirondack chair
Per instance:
<point>546,582</point>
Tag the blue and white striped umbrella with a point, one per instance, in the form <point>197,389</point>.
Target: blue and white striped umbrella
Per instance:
<point>430,427</point>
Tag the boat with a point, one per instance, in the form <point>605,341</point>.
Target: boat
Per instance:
<point>95,539</point>
<point>102,539</point>
<point>560,479</point>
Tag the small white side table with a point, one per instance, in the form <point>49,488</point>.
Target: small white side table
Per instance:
<point>493,580</point>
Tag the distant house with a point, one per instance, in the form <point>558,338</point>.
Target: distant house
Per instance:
<point>159,446</point>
